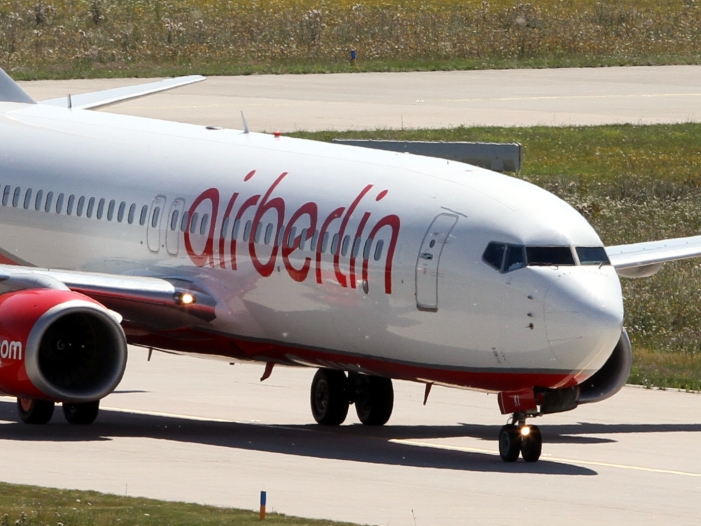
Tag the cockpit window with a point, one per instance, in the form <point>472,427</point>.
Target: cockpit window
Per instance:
<point>505,257</point>
<point>549,256</point>
<point>592,256</point>
<point>494,255</point>
<point>515,258</point>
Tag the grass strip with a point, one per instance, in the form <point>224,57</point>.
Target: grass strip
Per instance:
<point>34,506</point>
<point>633,183</point>
<point>103,38</point>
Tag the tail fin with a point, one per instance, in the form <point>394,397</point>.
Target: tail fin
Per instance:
<point>11,92</point>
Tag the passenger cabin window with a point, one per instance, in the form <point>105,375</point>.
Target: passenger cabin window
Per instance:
<point>144,214</point>
<point>592,256</point>
<point>37,201</point>
<point>183,222</point>
<point>49,202</point>
<point>27,198</point>
<point>69,207</point>
<point>100,208</point>
<point>110,210</point>
<point>59,203</point>
<point>120,211</point>
<point>132,212</point>
<point>15,197</point>
<point>81,205</point>
<point>6,195</point>
<point>91,207</point>
<point>174,220</point>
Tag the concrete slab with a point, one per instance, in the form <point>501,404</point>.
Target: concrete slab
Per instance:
<point>181,428</point>
<point>592,96</point>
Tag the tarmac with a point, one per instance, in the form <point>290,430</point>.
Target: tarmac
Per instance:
<point>181,428</point>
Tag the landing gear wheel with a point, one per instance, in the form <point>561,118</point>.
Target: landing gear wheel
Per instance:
<point>329,397</point>
<point>81,414</point>
<point>509,443</point>
<point>374,399</point>
<point>33,411</point>
<point>531,444</point>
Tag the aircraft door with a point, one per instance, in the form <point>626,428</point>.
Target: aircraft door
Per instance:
<point>428,262</point>
<point>173,226</point>
<point>153,225</point>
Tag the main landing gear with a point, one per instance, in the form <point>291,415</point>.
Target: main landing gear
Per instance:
<point>332,392</point>
<point>518,438</point>
<point>33,411</point>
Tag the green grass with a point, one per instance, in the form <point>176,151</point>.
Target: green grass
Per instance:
<point>98,38</point>
<point>33,506</point>
<point>633,183</point>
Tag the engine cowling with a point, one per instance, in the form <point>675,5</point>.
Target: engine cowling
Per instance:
<point>608,380</point>
<point>59,345</point>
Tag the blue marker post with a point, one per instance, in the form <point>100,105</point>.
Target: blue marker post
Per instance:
<point>262,505</point>
<point>353,55</point>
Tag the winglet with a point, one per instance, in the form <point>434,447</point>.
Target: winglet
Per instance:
<point>98,99</point>
<point>11,92</point>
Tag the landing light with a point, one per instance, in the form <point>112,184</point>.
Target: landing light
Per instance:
<point>184,298</point>
<point>525,431</point>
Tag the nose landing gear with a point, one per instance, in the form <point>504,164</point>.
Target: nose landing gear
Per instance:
<point>518,438</point>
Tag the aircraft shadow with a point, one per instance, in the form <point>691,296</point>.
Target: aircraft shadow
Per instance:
<point>355,443</point>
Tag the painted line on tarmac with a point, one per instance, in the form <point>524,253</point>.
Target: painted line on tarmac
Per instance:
<point>200,418</point>
<point>578,97</point>
<point>556,459</point>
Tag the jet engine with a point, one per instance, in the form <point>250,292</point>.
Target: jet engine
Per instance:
<point>59,345</point>
<point>608,380</point>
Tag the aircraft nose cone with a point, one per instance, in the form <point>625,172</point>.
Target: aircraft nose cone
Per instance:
<point>584,317</point>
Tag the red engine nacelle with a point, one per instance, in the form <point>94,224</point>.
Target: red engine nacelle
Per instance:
<point>59,345</point>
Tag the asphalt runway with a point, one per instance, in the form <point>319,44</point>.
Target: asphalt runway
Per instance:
<point>180,428</point>
<point>418,100</point>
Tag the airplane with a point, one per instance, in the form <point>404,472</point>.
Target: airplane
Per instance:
<point>370,266</point>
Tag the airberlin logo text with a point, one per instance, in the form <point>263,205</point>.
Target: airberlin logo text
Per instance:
<point>288,228</point>
<point>10,350</point>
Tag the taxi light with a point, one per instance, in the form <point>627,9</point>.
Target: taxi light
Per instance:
<point>525,431</point>
<point>184,298</point>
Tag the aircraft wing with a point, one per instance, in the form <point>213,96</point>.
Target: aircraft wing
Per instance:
<point>640,260</point>
<point>168,302</point>
<point>97,99</point>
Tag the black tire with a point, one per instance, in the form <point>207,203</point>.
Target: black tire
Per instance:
<point>374,399</point>
<point>329,397</point>
<point>509,443</point>
<point>532,445</point>
<point>81,414</point>
<point>33,411</point>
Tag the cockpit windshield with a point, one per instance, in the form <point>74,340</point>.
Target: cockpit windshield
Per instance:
<point>506,257</point>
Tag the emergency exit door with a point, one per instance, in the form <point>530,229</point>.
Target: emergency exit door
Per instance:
<point>428,262</point>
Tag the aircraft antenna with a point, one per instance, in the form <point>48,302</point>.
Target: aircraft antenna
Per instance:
<point>245,124</point>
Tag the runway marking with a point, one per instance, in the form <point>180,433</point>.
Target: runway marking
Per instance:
<point>200,418</point>
<point>557,459</point>
<point>577,97</point>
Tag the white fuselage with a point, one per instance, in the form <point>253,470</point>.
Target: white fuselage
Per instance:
<point>399,286</point>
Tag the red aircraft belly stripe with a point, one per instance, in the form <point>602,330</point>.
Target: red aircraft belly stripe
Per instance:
<point>188,340</point>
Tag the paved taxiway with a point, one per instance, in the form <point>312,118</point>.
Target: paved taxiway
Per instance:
<point>185,429</point>
<point>418,100</point>
<point>181,428</point>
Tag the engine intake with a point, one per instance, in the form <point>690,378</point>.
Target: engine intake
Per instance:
<point>59,345</point>
<point>608,380</point>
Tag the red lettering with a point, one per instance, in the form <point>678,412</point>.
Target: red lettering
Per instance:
<point>357,239</point>
<point>337,256</point>
<point>248,203</point>
<point>207,255</point>
<point>324,227</point>
<point>222,236</point>
<point>393,222</point>
<point>309,209</point>
<point>277,204</point>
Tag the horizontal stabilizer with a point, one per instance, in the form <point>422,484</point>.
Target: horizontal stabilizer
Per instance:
<point>97,99</point>
<point>645,259</point>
